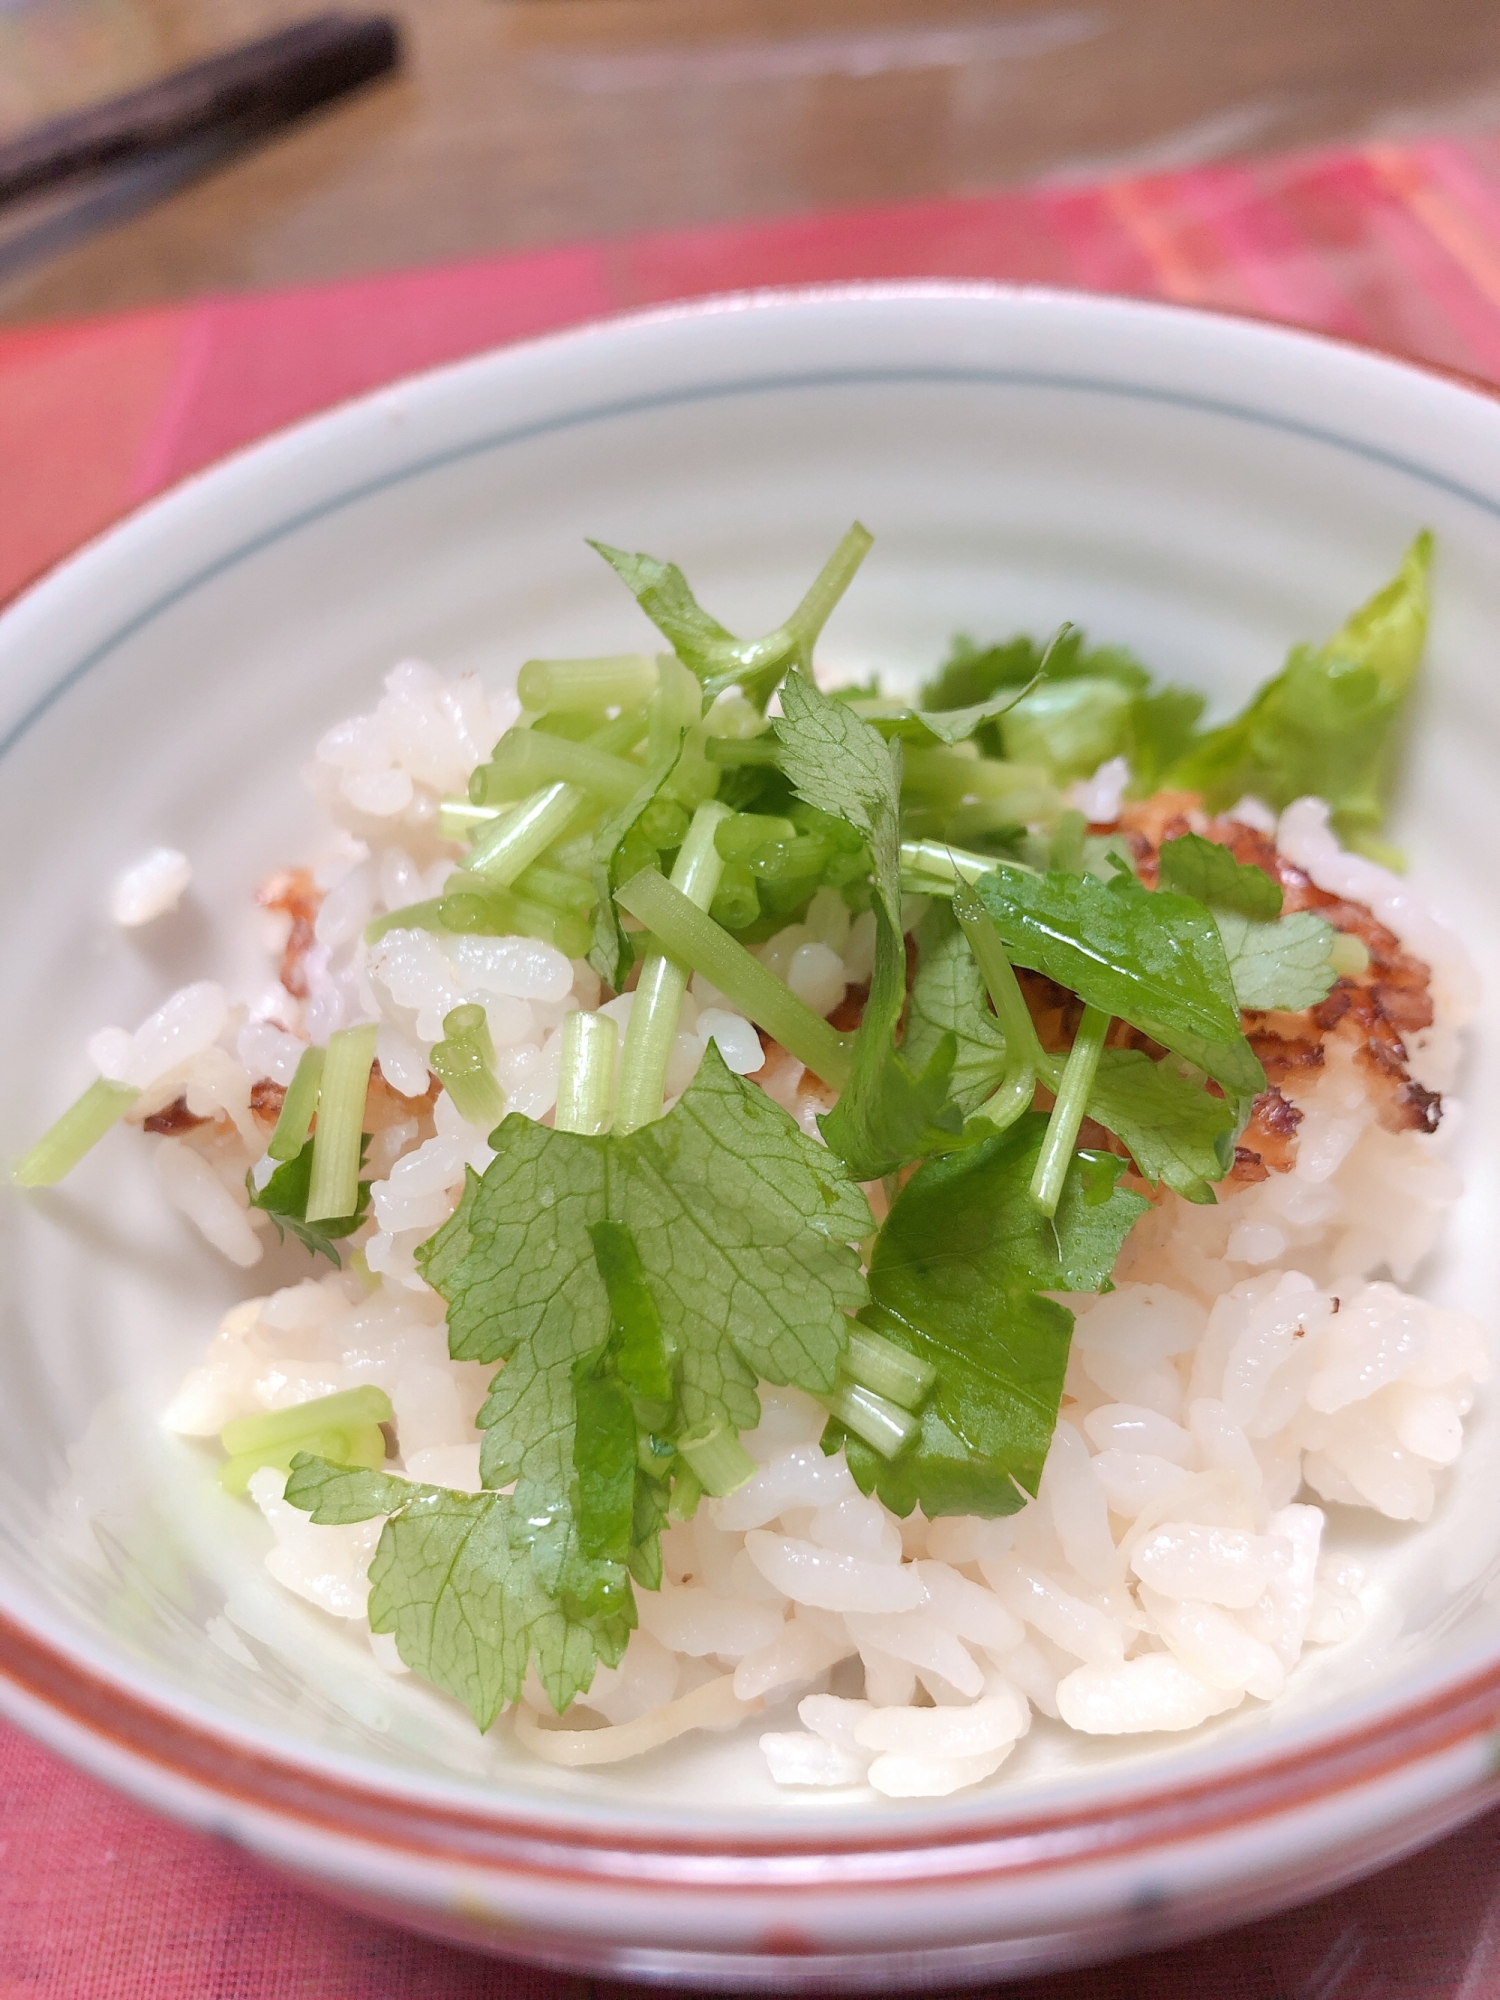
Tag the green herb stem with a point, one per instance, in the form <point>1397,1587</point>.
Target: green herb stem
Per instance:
<point>360,1444</point>
<point>464,1063</point>
<point>676,705</point>
<point>718,1459</point>
<point>557,889</point>
<point>294,1121</point>
<point>932,867</point>
<point>426,916</point>
<point>527,759</point>
<point>1073,1090</point>
<point>365,1405</point>
<point>946,775</point>
<point>1009,1002</point>
<point>81,1126</point>
<point>663,981</point>
<point>732,750</point>
<point>570,687</point>
<point>1012,1100</point>
<point>879,1365</point>
<point>883,1425</point>
<point>586,1075</point>
<point>691,936</point>
<point>461,819</point>
<point>503,850</point>
<point>334,1187</point>
<point>744,834</point>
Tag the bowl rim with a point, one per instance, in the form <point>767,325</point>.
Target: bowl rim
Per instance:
<point>98,1717</point>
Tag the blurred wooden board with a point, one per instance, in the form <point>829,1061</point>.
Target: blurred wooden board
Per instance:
<point>519,122</point>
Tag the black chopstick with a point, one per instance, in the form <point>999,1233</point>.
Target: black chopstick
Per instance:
<point>247,90</point>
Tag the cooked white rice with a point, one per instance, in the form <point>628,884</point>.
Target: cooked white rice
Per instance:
<point>1249,1365</point>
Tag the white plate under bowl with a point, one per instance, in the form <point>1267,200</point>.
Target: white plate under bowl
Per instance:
<point>1202,490</point>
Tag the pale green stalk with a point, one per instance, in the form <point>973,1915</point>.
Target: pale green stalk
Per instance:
<point>506,849</point>
<point>333,1189</point>
<point>571,687</point>
<point>691,936</point>
<point>663,981</point>
<point>879,1365</point>
<point>718,1459</point>
<point>81,1126</point>
<point>295,1119</point>
<point>1073,1090</point>
<point>883,1425</point>
<point>586,1073</point>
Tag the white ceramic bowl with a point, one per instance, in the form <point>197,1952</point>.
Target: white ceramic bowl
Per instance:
<point>1205,491</point>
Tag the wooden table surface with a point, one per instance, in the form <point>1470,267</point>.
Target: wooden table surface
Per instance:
<point>518,122</point>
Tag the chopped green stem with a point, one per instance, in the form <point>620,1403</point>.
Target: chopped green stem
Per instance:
<point>526,759</point>
<point>586,1077</point>
<point>1011,1011</point>
<point>719,1461</point>
<point>556,889</point>
<point>742,750</point>
<point>564,687</point>
<point>934,867</point>
<point>81,1126</point>
<point>978,819</point>
<point>663,981</point>
<point>359,1444</point>
<point>1067,1113</point>
<point>464,1063</point>
<point>334,1187</point>
<point>829,585</point>
<point>676,705</point>
<point>343,1428</point>
<point>883,1425</point>
<point>744,834</point>
<point>365,1405</point>
<point>699,943</point>
<point>945,774</point>
<point>761,663</point>
<point>1011,1100</point>
<point>460,819</point>
<point>874,1363</point>
<point>426,916</point>
<point>295,1119</point>
<point>503,850</point>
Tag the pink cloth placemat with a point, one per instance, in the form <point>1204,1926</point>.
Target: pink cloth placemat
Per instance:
<point>1398,246</point>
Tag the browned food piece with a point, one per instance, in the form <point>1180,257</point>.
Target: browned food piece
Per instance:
<point>266,1099</point>
<point>173,1119</point>
<point>295,891</point>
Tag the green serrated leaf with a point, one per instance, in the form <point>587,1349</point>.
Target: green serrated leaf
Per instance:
<point>1178,1133</point>
<point>948,999</point>
<point>1193,866</point>
<point>740,1229</point>
<point>1326,724</point>
<point>1149,957</point>
<point>954,1278</point>
<point>1284,964</point>
<point>284,1199</point>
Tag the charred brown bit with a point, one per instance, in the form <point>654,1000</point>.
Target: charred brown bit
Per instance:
<point>295,891</point>
<point>174,1118</point>
<point>266,1098</point>
<point>1372,1011</point>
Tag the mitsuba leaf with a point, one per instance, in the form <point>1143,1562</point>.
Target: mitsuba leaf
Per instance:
<point>708,648</point>
<point>454,1581</point>
<point>1326,723</point>
<point>1152,958</point>
<point>1284,964</point>
<point>954,1278</point>
<point>948,1000</point>
<point>1193,866</point>
<point>284,1199</point>
<point>1177,1132</point>
<point>631,1279</point>
<point>888,1112</point>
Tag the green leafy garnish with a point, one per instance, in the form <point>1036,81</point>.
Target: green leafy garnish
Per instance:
<point>1284,964</point>
<point>1193,866</point>
<point>888,1113</point>
<point>1152,958</point>
<point>708,648</point>
<point>955,1279</point>
<point>1178,1133</point>
<point>717,1240</point>
<point>284,1199</point>
<point>455,1580</point>
<point>615,858</point>
<point>1326,724</point>
<point>948,1001</point>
